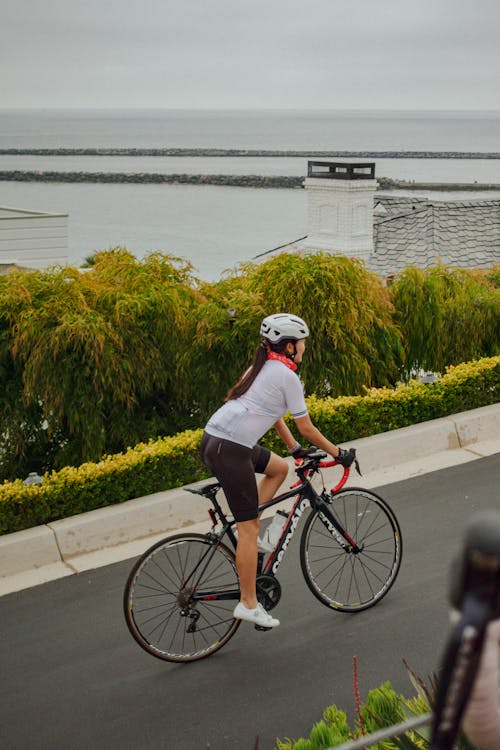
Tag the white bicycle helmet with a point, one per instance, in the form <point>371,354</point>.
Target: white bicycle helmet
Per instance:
<point>281,326</point>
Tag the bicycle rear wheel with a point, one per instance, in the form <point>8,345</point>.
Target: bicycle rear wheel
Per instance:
<point>173,600</point>
<point>339,577</point>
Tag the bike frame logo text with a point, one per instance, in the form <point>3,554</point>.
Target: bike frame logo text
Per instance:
<point>294,522</point>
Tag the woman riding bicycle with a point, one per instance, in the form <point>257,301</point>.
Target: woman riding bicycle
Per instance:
<point>267,391</point>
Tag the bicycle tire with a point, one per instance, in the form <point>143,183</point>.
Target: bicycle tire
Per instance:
<point>156,607</point>
<point>342,579</point>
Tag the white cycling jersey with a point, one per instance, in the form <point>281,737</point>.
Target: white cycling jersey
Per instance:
<point>275,391</point>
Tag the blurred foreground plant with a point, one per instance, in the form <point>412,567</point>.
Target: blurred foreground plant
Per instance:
<point>383,708</point>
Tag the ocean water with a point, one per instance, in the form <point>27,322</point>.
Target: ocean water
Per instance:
<point>268,129</point>
<point>216,227</point>
<point>212,227</point>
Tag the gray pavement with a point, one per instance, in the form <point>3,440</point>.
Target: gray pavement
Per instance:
<point>73,677</point>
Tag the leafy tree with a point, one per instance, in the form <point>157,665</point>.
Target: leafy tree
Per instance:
<point>90,360</point>
<point>446,315</point>
<point>354,342</point>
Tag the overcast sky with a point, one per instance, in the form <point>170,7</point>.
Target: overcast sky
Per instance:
<point>368,54</point>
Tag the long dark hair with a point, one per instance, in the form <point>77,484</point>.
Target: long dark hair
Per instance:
<point>259,360</point>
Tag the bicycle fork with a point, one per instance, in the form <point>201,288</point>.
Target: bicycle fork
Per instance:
<point>334,528</point>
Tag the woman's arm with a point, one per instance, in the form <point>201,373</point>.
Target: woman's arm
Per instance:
<point>314,436</point>
<point>285,434</point>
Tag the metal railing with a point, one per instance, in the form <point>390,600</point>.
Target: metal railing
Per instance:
<point>386,734</point>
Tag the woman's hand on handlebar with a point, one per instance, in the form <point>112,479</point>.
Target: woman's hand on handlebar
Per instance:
<point>301,452</point>
<point>346,456</point>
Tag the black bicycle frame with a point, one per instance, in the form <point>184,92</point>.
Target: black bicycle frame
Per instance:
<point>306,496</point>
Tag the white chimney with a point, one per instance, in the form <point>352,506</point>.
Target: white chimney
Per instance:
<point>340,207</point>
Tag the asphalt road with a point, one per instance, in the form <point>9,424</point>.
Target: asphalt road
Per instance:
<point>72,677</point>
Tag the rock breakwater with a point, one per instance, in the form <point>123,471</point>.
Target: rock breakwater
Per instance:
<point>233,152</point>
<point>256,181</point>
<point>231,180</point>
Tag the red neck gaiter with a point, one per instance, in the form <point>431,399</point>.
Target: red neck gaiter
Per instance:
<point>282,358</point>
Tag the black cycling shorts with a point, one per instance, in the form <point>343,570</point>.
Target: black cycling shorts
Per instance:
<point>235,466</point>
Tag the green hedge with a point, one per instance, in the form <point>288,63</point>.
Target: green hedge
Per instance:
<point>174,461</point>
<point>147,468</point>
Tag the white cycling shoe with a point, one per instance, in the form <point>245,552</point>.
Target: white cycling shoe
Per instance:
<point>257,616</point>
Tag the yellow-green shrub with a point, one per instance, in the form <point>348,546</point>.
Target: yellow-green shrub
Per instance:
<point>174,461</point>
<point>147,468</point>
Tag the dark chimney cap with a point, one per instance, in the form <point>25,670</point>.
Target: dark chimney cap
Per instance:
<point>341,170</point>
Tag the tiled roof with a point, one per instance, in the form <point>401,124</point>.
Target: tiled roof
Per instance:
<point>420,232</point>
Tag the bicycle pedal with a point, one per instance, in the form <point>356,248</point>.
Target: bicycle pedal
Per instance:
<point>261,627</point>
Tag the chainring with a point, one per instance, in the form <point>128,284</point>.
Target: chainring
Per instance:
<point>268,591</point>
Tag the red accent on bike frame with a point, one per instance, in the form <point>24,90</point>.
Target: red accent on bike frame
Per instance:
<point>211,513</point>
<point>348,538</point>
<point>210,598</point>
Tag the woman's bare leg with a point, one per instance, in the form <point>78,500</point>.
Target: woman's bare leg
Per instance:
<point>274,476</point>
<point>246,550</point>
<point>246,561</point>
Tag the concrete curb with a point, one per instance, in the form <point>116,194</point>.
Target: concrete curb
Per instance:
<point>35,547</point>
<point>121,531</point>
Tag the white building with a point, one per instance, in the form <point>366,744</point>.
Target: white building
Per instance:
<point>32,239</point>
<point>340,207</point>
<point>348,217</point>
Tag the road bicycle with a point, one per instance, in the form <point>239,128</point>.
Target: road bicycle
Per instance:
<point>180,594</point>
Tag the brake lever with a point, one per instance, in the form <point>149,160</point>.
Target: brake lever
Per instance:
<point>356,464</point>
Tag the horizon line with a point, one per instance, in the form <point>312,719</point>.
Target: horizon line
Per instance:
<point>119,108</point>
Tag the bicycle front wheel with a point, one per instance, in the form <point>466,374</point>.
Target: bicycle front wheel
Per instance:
<point>340,577</point>
<point>179,598</point>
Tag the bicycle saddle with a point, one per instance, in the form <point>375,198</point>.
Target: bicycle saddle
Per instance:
<point>207,490</point>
